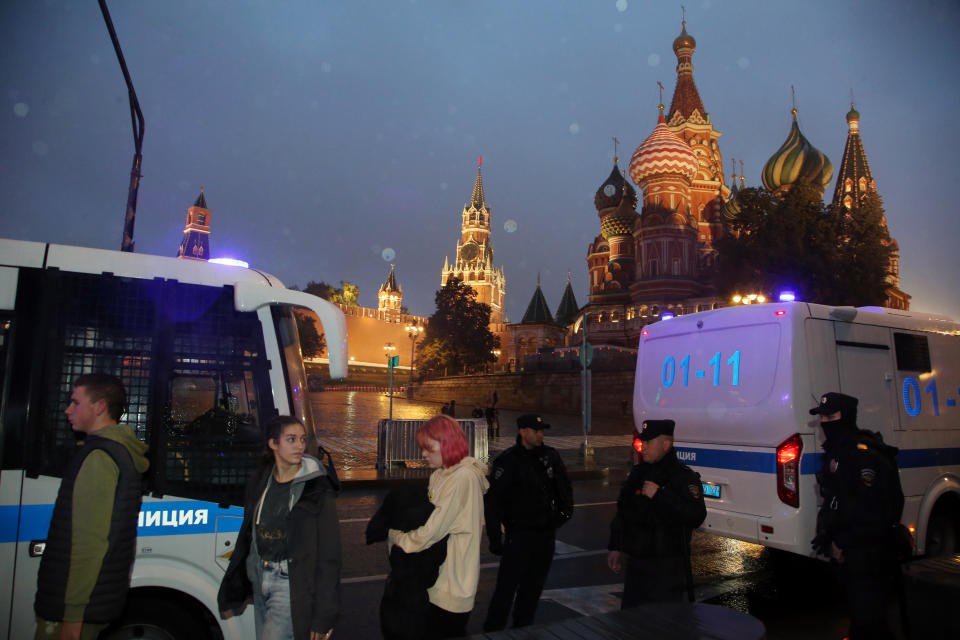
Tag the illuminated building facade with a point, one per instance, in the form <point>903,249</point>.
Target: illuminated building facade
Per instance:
<point>196,234</point>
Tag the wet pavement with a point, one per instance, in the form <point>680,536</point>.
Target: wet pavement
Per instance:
<point>796,599</point>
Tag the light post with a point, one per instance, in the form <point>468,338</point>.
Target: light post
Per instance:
<point>586,355</point>
<point>413,332</point>
<point>388,350</point>
<point>496,354</point>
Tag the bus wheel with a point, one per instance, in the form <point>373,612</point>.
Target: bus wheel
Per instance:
<point>942,533</point>
<point>156,620</point>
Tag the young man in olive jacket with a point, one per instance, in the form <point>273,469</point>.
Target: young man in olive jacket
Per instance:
<point>660,505</point>
<point>84,573</point>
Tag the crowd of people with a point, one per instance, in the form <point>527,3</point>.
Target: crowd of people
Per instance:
<point>287,557</point>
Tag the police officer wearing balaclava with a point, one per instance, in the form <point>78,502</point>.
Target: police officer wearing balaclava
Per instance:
<point>862,502</point>
<point>660,505</point>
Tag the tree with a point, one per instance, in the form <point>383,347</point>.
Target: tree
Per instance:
<point>312,342</point>
<point>794,242</point>
<point>458,336</point>
<point>347,293</point>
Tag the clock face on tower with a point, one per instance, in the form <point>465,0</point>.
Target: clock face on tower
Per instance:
<point>469,251</point>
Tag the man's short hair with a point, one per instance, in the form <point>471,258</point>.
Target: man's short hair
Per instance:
<point>100,386</point>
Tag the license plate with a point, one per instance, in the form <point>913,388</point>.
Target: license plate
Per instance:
<point>710,490</point>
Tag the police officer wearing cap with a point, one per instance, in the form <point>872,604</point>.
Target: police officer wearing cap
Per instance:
<point>529,497</point>
<point>659,506</point>
<point>861,508</point>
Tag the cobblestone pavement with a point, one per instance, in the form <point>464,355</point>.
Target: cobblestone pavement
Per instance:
<point>348,429</point>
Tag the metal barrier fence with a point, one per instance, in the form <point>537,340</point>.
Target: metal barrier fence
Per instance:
<point>397,441</point>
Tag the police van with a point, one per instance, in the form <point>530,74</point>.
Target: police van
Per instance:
<point>207,353</point>
<point>740,381</point>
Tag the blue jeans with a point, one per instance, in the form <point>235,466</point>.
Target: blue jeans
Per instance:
<point>271,603</point>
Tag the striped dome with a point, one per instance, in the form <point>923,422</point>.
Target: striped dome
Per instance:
<point>663,152</point>
<point>797,161</point>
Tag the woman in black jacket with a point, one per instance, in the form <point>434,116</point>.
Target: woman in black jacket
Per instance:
<point>287,555</point>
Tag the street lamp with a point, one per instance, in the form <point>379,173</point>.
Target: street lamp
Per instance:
<point>388,350</point>
<point>413,332</point>
<point>496,355</point>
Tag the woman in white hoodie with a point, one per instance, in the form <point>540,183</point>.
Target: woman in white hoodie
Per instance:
<point>456,490</point>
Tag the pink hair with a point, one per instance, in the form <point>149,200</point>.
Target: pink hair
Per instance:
<point>446,431</point>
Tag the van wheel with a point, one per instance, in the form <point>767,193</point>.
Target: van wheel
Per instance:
<point>942,534</point>
<point>155,620</point>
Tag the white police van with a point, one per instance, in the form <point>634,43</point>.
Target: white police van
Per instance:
<point>207,353</point>
<point>739,381</point>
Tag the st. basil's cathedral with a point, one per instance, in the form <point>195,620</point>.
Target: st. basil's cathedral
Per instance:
<point>659,260</point>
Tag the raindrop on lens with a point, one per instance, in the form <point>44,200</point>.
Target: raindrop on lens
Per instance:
<point>388,254</point>
<point>621,5</point>
<point>653,59</point>
<point>510,226</point>
<point>21,109</point>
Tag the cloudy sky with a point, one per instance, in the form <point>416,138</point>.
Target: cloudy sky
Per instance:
<point>335,137</point>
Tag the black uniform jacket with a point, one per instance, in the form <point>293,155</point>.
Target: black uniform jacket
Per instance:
<point>529,489</point>
<point>662,525</point>
<point>860,486</point>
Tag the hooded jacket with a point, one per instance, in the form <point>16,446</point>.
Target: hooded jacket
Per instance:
<point>313,548</point>
<point>84,573</point>
<point>457,496</point>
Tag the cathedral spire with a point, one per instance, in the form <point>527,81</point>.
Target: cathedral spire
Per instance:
<point>854,179</point>
<point>686,98</point>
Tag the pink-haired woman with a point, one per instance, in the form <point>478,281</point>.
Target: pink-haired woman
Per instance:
<point>456,490</point>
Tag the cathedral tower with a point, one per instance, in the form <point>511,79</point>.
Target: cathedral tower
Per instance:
<point>196,234</point>
<point>689,120</point>
<point>797,161</point>
<point>611,261</point>
<point>854,182</point>
<point>474,259</point>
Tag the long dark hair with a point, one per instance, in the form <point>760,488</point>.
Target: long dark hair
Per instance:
<point>273,429</point>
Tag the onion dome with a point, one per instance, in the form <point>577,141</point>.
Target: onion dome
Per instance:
<point>730,209</point>
<point>684,40</point>
<point>663,152</point>
<point>853,114</point>
<point>620,222</point>
<point>612,191</point>
<point>797,161</point>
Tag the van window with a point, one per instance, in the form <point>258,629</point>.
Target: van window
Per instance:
<point>913,352</point>
<point>194,369</point>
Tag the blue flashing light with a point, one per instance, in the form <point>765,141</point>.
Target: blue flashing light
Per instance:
<point>666,315</point>
<point>787,296</point>
<point>232,262</point>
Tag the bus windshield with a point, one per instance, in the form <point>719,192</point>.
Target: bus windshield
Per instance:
<point>294,372</point>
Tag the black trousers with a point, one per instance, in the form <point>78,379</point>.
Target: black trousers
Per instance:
<point>445,624</point>
<point>867,576</point>
<point>523,572</point>
<point>654,579</point>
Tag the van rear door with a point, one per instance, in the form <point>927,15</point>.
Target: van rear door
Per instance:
<point>866,365</point>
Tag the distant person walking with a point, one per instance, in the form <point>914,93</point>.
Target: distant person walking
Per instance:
<point>860,514</point>
<point>456,491</point>
<point>287,555</point>
<point>530,496</point>
<point>660,505</point>
<point>84,572</point>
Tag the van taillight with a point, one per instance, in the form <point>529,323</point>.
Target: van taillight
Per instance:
<point>788,470</point>
<point>637,445</point>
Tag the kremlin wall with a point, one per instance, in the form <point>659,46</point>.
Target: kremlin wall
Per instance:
<point>640,265</point>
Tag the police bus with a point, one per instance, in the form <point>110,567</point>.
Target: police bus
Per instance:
<point>740,381</point>
<point>207,353</point>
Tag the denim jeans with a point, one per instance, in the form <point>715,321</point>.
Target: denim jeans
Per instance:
<point>271,603</point>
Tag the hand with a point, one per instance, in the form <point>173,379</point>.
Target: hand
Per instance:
<point>614,561</point>
<point>316,635</point>
<point>836,552</point>
<point>70,630</point>
<point>496,546</point>
<point>650,488</point>
<point>819,545</point>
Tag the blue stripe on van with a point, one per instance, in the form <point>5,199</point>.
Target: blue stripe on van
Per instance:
<point>156,519</point>
<point>766,462</point>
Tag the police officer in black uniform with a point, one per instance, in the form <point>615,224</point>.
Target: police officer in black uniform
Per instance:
<point>530,496</point>
<point>659,506</point>
<point>860,513</point>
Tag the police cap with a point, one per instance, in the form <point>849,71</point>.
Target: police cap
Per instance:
<point>531,421</point>
<point>650,429</point>
<point>833,402</point>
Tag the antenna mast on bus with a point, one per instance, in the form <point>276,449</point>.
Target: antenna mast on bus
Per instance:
<point>136,117</point>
